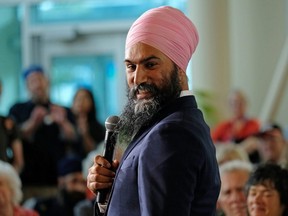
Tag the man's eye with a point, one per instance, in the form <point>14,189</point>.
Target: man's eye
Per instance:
<point>268,194</point>
<point>252,193</point>
<point>150,64</point>
<point>130,67</point>
<point>227,192</point>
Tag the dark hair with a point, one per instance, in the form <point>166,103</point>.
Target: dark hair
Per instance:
<point>92,113</point>
<point>268,174</point>
<point>69,164</point>
<point>97,130</point>
<point>268,127</point>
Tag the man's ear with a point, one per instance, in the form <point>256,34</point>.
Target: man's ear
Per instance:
<point>218,206</point>
<point>183,79</point>
<point>61,182</point>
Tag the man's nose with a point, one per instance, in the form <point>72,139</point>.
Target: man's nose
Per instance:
<point>140,76</point>
<point>238,196</point>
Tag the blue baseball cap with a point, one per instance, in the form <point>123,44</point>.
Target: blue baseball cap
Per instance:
<point>69,164</point>
<point>32,69</point>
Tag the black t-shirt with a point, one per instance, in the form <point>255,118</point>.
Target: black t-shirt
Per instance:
<point>44,149</point>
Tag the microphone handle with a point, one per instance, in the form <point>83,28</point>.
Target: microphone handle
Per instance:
<point>110,141</point>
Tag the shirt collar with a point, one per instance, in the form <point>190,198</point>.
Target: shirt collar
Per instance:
<point>186,93</point>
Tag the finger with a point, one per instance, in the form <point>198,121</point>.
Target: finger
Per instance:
<point>103,171</point>
<point>101,161</point>
<point>95,186</point>
<point>96,182</point>
<point>115,165</point>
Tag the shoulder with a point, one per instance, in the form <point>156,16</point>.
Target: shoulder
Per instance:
<point>22,104</point>
<point>19,107</point>
<point>253,121</point>
<point>183,125</point>
<point>179,135</point>
<point>42,205</point>
<point>20,211</point>
<point>223,124</point>
<point>21,111</point>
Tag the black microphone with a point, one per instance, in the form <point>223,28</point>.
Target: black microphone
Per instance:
<point>109,145</point>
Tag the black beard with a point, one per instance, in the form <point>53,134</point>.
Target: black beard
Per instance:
<point>137,114</point>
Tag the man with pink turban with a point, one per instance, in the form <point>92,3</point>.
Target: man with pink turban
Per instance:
<point>169,165</point>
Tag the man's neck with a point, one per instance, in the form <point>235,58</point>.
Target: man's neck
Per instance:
<point>40,101</point>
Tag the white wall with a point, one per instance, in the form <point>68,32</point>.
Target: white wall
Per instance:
<point>258,33</point>
<point>240,45</point>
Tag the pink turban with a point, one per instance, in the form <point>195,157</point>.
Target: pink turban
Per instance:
<point>168,30</point>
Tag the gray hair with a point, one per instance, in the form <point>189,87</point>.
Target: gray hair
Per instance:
<point>227,152</point>
<point>235,165</point>
<point>9,173</point>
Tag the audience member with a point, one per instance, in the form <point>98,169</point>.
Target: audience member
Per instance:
<point>272,145</point>
<point>169,165</point>
<point>232,199</point>
<point>90,130</point>
<point>10,192</point>
<point>228,152</point>
<point>238,127</point>
<point>11,149</point>
<point>71,189</point>
<point>10,142</point>
<point>267,191</point>
<point>47,132</point>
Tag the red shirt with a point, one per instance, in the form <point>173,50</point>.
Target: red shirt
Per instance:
<point>19,211</point>
<point>225,131</point>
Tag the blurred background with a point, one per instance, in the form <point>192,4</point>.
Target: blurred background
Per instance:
<point>243,45</point>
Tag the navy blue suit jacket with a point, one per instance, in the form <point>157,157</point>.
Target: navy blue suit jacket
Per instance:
<point>169,168</point>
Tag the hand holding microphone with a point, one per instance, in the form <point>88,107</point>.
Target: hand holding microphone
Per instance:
<point>108,153</point>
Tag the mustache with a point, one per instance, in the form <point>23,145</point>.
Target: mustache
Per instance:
<point>153,89</point>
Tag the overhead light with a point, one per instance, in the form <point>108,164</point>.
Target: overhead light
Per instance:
<point>46,5</point>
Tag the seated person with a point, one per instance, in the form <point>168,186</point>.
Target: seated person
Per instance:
<point>11,149</point>
<point>272,145</point>
<point>10,192</point>
<point>232,198</point>
<point>71,189</point>
<point>267,191</point>
<point>238,127</point>
<point>11,146</point>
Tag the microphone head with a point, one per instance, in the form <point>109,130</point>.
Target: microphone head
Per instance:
<point>111,122</point>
